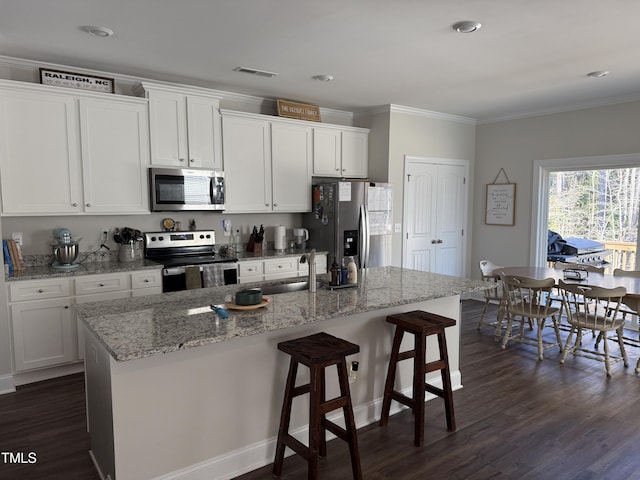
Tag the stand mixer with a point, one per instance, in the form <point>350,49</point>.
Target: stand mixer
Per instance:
<point>65,250</point>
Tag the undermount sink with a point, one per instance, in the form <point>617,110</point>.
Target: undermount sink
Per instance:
<point>285,288</point>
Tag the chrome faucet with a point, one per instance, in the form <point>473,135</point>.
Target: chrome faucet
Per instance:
<point>311,260</point>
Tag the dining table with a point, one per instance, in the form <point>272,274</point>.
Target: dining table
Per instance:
<point>605,280</point>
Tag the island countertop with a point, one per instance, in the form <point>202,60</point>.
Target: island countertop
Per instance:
<point>145,326</point>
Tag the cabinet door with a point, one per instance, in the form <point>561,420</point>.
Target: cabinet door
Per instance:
<point>281,268</point>
<point>39,153</point>
<point>355,151</point>
<point>168,129</point>
<point>291,167</point>
<point>247,164</point>
<point>115,156</point>
<point>327,152</point>
<point>203,131</point>
<point>43,333</point>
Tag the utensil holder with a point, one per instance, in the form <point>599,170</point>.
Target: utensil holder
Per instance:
<point>128,252</point>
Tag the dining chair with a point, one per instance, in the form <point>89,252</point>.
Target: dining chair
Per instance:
<point>630,307</point>
<point>557,296</point>
<point>593,308</point>
<point>529,298</point>
<point>493,294</point>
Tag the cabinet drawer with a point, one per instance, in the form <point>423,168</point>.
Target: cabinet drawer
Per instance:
<point>249,269</point>
<point>147,279</point>
<point>283,265</point>
<point>102,283</point>
<point>38,289</point>
<point>321,266</point>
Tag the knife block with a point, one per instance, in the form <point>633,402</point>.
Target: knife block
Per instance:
<point>253,246</point>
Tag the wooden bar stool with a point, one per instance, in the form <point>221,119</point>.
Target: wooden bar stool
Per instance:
<point>317,352</point>
<point>420,324</point>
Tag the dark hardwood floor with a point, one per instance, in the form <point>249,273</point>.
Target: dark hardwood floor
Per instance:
<point>517,418</point>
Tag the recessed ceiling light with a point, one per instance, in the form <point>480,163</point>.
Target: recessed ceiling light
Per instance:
<point>598,74</point>
<point>255,71</point>
<point>466,26</point>
<point>323,78</point>
<point>98,31</point>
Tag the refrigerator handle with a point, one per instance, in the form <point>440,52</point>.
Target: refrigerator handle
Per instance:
<point>364,236</point>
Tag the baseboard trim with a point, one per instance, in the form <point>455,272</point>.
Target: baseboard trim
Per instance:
<point>7,384</point>
<point>252,457</point>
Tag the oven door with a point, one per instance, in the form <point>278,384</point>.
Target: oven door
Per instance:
<point>174,279</point>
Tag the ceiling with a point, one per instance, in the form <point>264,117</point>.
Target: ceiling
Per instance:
<point>529,57</point>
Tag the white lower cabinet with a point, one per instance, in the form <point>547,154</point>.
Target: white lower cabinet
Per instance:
<point>281,268</point>
<point>276,268</point>
<point>46,332</point>
<point>250,271</point>
<point>43,333</point>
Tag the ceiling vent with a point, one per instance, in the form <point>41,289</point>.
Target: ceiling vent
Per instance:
<point>255,71</point>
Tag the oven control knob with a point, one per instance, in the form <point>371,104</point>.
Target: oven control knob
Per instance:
<point>153,239</point>
<point>160,239</point>
<point>201,236</point>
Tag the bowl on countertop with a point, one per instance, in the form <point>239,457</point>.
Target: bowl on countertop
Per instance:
<point>252,296</point>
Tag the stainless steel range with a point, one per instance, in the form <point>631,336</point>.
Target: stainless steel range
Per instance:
<point>189,259</point>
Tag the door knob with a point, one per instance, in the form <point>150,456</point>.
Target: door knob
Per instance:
<point>439,241</point>
<point>433,241</point>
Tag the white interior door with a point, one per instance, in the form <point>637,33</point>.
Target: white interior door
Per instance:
<point>434,215</point>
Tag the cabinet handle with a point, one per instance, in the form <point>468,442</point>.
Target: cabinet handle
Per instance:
<point>40,290</point>
<point>191,160</point>
<point>66,307</point>
<point>181,159</point>
<point>146,280</point>
<point>88,204</point>
<point>275,204</point>
<point>337,169</point>
<point>266,204</point>
<point>101,284</point>
<point>74,204</point>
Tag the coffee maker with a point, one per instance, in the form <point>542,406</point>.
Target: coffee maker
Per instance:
<point>65,250</point>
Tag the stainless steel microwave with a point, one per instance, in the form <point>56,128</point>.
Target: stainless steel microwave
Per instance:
<point>186,189</point>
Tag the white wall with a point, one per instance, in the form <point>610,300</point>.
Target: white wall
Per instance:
<point>514,145</point>
<point>399,131</point>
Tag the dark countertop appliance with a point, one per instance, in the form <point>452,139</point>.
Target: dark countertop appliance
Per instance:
<point>189,260</point>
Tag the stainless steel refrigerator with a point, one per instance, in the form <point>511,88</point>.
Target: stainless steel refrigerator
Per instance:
<point>351,218</point>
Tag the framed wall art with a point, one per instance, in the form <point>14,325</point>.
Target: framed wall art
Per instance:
<point>500,202</point>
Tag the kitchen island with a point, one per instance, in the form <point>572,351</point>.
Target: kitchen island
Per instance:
<point>175,391</point>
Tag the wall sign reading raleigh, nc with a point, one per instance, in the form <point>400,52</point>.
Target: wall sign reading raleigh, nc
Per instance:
<point>76,80</point>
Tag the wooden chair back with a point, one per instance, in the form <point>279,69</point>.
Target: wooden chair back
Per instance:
<point>593,307</point>
<point>529,297</point>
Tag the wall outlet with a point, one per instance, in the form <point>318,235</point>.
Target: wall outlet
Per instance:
<point>398,228</point>
<point>17,237</point>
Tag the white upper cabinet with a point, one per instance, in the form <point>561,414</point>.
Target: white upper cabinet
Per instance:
<point>340,152</point>
<point>115,156</point>
<point>63,152</point>
<point>247,160</point>
<point>291,155</point>
<point>267,164</point>
<point>184,128</point>
<point>39,151</point>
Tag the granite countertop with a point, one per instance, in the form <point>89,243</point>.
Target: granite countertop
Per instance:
<point>271,254</point>
<point>156,324</point>
<point>45,271</point>
<point>42,272</point>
